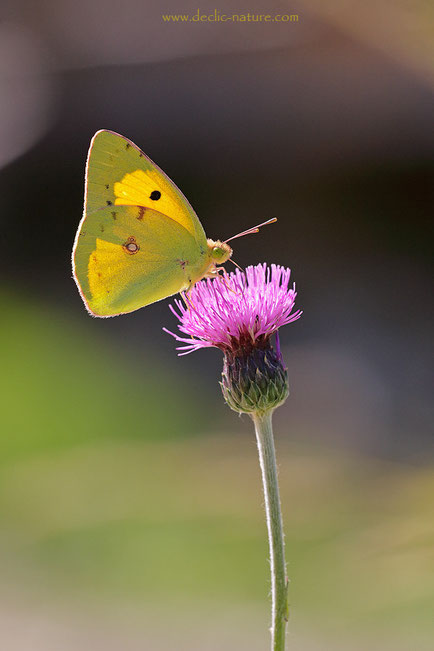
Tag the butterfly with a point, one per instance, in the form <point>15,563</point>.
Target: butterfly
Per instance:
<point>139,239</point>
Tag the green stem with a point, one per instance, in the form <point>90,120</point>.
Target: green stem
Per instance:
<point>279,581</point>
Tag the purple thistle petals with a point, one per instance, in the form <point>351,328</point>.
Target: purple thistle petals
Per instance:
<point>219,312</point>
<point>278,351</point>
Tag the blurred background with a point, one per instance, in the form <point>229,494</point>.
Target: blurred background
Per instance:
<point>130,496</point>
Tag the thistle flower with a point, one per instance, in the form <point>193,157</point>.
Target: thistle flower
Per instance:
<point>239,313</point>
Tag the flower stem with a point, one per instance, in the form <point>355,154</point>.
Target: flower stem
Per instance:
<point>279,580</point>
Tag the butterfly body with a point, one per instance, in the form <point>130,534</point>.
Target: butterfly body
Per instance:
<point>139,240</point>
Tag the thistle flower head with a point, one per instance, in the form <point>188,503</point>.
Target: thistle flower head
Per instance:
<point>239,310</point>
<point>239,313</point>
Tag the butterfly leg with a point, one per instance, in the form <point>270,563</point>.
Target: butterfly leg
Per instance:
<point>224,276</point>
<point>214,272</point>
<point>186,296</point>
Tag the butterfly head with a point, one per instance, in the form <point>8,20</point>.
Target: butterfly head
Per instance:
<point>220,251</point>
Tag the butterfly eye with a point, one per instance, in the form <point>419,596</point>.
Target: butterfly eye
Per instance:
<point>218,253</point>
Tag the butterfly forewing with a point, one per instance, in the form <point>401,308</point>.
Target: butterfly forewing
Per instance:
<point>119,173</point>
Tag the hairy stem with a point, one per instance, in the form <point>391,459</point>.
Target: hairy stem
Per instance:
<point>279,581</point>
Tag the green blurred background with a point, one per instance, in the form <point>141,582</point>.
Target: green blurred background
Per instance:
<point>130,496</point>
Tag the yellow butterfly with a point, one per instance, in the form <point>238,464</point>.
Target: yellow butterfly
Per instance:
<point>139,240</point>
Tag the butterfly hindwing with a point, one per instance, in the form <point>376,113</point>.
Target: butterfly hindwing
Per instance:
<point>126,257</point>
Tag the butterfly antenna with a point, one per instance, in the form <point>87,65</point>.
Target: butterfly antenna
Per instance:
<point>254,229</point>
